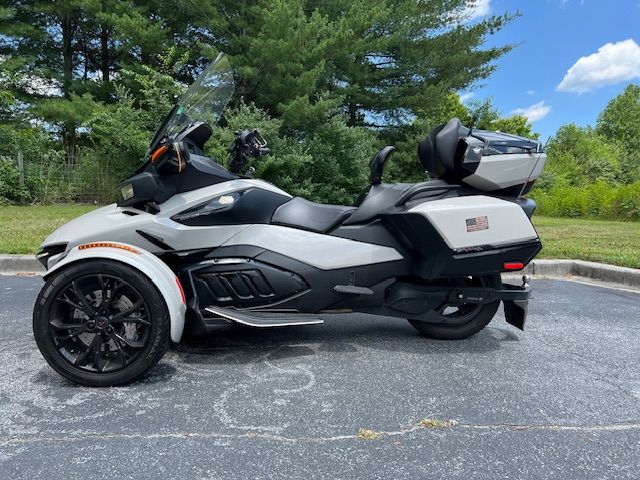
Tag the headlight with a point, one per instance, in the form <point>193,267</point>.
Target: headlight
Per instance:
<point>127,191</point>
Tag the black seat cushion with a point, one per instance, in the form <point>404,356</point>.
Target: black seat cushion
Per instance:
<point>306,215</point>
<point>387,195</point>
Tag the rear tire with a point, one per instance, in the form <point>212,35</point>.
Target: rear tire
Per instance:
<point>101,323</point>
<point>471,320</point>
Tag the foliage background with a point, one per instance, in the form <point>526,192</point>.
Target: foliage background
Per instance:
<point>84,83</point>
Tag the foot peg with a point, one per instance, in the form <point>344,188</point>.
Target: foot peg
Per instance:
<point>264,319</point>
<point>353,290</point>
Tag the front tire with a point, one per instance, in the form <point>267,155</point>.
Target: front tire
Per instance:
<point>462,321</point>
<point>101,323</point>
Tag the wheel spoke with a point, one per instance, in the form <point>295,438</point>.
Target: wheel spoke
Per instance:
<point>73,329</point>
<point>95,344</point>
<point>124,356</point>
<point>88,308</point>
<point>70,303</point>
<point>100,361</point>
<point>118,317</point>
<point>126,341</point>
<point>138,320</point>
<point>103,290</point>
<point>115,289</point>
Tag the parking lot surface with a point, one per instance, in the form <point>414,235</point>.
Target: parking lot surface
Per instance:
<point>560,400</point>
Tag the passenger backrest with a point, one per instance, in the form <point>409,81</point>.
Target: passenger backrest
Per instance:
<point>377,164</point>
<point>447,143</point>
<point>437,151</point>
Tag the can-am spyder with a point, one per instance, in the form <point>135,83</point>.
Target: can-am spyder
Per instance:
<point>195,246</point>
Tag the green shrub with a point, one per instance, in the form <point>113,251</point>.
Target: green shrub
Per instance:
<point>328,164</point>
<point>10,189</point>
<point>596,200</point>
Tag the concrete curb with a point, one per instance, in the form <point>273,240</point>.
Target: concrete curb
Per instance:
<point>13,264</point>
<point>579,268</point>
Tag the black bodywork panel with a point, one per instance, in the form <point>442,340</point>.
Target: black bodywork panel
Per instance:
<point>434,259</point>
<point>243,282</point>
<point>250,206</point>
<point>150,186</point>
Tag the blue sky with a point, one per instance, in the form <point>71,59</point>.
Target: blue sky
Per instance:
<point>552,36</point>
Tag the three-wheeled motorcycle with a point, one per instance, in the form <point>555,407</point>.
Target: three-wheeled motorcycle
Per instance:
<point>192,245</point>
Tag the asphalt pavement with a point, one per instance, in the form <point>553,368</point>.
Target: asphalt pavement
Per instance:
<point>560,400</point>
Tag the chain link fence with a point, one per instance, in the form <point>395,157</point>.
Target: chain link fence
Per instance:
<point>55,178</point>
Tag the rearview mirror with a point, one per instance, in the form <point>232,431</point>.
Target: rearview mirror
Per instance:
<point>138,189</point>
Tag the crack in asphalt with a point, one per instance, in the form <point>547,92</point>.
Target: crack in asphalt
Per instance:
<point>615,427</point>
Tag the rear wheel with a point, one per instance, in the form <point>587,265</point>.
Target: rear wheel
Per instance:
<point>101,323</point>
<point>450,321</point>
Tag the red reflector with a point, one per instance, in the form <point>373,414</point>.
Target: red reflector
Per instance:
<point>513,266</point>
<point>184,300</point>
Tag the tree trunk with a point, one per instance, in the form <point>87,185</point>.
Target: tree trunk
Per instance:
<point>105,60</point>
<point>352,118</point>
<point>69,128</point>
<point>67,52</point>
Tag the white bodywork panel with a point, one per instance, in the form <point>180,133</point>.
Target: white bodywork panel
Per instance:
<point>507,222</point>
<point>151,266</point>
<point>496,172</point>
<point>321,251</point>
<point>110,224</point>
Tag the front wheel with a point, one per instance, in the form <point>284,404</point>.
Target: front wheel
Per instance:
<point>455,322</point>
<point>101,323</point>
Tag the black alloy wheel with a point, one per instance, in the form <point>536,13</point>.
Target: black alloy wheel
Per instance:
<point>454,321</point>
<point>101,323</point>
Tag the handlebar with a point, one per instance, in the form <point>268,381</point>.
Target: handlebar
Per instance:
<point>248,144</point>
<point>171,158</point>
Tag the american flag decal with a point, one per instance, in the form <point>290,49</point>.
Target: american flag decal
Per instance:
<point>477,224</point>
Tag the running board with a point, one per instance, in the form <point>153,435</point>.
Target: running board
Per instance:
<point>264,319</point>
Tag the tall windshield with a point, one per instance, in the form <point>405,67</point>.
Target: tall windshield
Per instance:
<point>204,101</point>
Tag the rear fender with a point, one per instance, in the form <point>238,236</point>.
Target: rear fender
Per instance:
<point>151,266</point>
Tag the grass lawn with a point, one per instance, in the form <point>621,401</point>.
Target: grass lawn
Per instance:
<point>616,243</point>
<point>22,229</point>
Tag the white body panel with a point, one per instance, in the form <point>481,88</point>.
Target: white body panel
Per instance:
<point>496,172</point>
<point>507,222</point>
<point>110,224</point>
<point>320,251</point>
<point>156,270</point>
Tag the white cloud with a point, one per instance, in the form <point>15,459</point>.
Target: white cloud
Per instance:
<point>534,112</point>
<point>477,9</point>
<point>530,92</point>
<point>466,96</point>
<point>612,63</point>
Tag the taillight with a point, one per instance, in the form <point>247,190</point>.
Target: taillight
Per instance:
<point>513,266</point>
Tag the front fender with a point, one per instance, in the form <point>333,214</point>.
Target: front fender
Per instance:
<point>151,266</point>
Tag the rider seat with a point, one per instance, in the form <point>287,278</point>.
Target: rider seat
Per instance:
<point>306,215</point>
<point>388,195</point>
